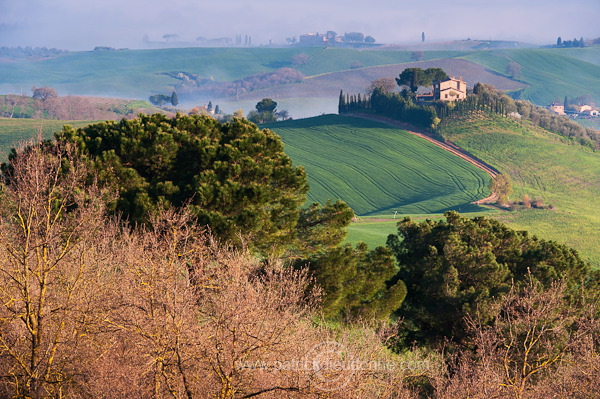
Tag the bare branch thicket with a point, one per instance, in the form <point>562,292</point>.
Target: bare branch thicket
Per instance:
<point>46,268</point>
<point>540,346</point>
<point>92,309</point>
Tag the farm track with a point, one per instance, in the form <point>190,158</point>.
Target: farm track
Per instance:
<point>446,145</point>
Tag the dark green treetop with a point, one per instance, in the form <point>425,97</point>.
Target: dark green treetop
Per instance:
<point>461,266</point>
<point>235,176</point>
<point>416,77</point>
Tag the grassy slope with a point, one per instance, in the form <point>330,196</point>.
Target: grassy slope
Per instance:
<point>551,73</point>
<point>377,169</point>
<point>541,164</point>
<point>13,131</point>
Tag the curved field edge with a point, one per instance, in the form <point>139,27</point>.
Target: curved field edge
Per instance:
<point>379,169</point>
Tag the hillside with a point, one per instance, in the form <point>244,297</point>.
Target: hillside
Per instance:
<point>73,108</point>
<point>548,74</point>
<point>378,169</point>
<point>358,80</point>
<point>551,74</point>
<point>542,165</point>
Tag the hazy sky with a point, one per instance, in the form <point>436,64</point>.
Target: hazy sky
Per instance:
<point>84,24</point>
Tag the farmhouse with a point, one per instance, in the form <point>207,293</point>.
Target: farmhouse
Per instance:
<point>450,90</point>
<point>593,113</point>
<point>312,39</point>
<point>557,108</point>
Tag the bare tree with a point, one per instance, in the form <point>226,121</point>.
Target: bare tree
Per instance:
<point>47,219</point>
<point>513,69</point>
<point>44,93</point>
<point>386,84</point>
<point>417,55</point>
<point>536,338</point>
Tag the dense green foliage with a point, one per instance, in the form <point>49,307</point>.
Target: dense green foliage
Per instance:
<point>240,184</point>
<point>460,267</point>
<point>265,111</point>
<point>237,177</point>
<point>354,281</point>
<point>417,77</point>
<point>399,106</point>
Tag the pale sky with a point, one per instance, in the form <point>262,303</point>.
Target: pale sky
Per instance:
<point>84,24</point>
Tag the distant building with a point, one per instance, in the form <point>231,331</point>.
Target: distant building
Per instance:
<point>331,38</point>
<point>582,108</point>
<point>557,108</point>
<point>450,90</point>
<point>590,112</point>
<point>312,39</point>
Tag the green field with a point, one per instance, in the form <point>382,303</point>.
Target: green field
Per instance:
<point>14,131</point>
<point>542,165</point>
<point>379,170</point>
<point>551,73</point>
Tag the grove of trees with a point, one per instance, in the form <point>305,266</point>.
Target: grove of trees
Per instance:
<point>192,85</point>
<point>455,269</point>
<point>161,99</point>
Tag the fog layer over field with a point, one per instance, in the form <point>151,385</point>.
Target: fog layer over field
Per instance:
<point>82,25</point>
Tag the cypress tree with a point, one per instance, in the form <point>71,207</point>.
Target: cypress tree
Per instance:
<point>174,99</point>
<point>341,103</point>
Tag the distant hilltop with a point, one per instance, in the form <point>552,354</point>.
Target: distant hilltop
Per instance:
<point>331,39</point>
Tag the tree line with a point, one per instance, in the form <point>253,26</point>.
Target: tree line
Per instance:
<point>45,103</point>
<point>198,85</point>
<point>398,106</point>
<point>28,51</point>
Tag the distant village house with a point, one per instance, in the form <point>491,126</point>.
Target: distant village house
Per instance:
<point>446,90</point>
<point>585,111</point>
<point>331,38</point>
<point>557,108</point>
<point>450,90</point>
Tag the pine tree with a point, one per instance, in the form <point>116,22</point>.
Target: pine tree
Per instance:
<point>174,99</point>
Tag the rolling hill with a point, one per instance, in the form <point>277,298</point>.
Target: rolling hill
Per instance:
<point>548,74</point>
<point>542,165</point>
<point>378,169</point>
